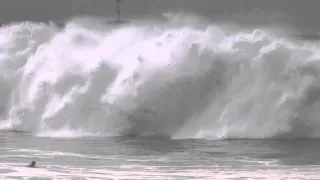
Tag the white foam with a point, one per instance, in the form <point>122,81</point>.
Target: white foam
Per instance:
<point>149,173</point>
<point>177,79</point>
<point>66,132</point>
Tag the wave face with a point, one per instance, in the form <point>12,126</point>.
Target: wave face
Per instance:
<point>178,79</point>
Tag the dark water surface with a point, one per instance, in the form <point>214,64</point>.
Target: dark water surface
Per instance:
<point>154,158</point>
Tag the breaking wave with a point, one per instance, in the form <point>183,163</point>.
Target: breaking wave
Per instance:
<point>177,78</point>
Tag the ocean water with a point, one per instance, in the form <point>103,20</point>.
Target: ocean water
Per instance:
<point>185,90</point>
<point>156,158</point>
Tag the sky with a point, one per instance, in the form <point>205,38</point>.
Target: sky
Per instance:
<point>301,13</point>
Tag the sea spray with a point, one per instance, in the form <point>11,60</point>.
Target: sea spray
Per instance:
<point>168,79</point>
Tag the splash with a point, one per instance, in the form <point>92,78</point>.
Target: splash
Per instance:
<point>175,79</point>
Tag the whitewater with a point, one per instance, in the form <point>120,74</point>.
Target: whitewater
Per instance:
<point>179,78</point>
<point>173,97</point>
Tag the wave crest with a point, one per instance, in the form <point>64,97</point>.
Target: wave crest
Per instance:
<point>181,81</point>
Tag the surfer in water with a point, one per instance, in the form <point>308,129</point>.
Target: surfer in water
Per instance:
<point>32,164</point>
